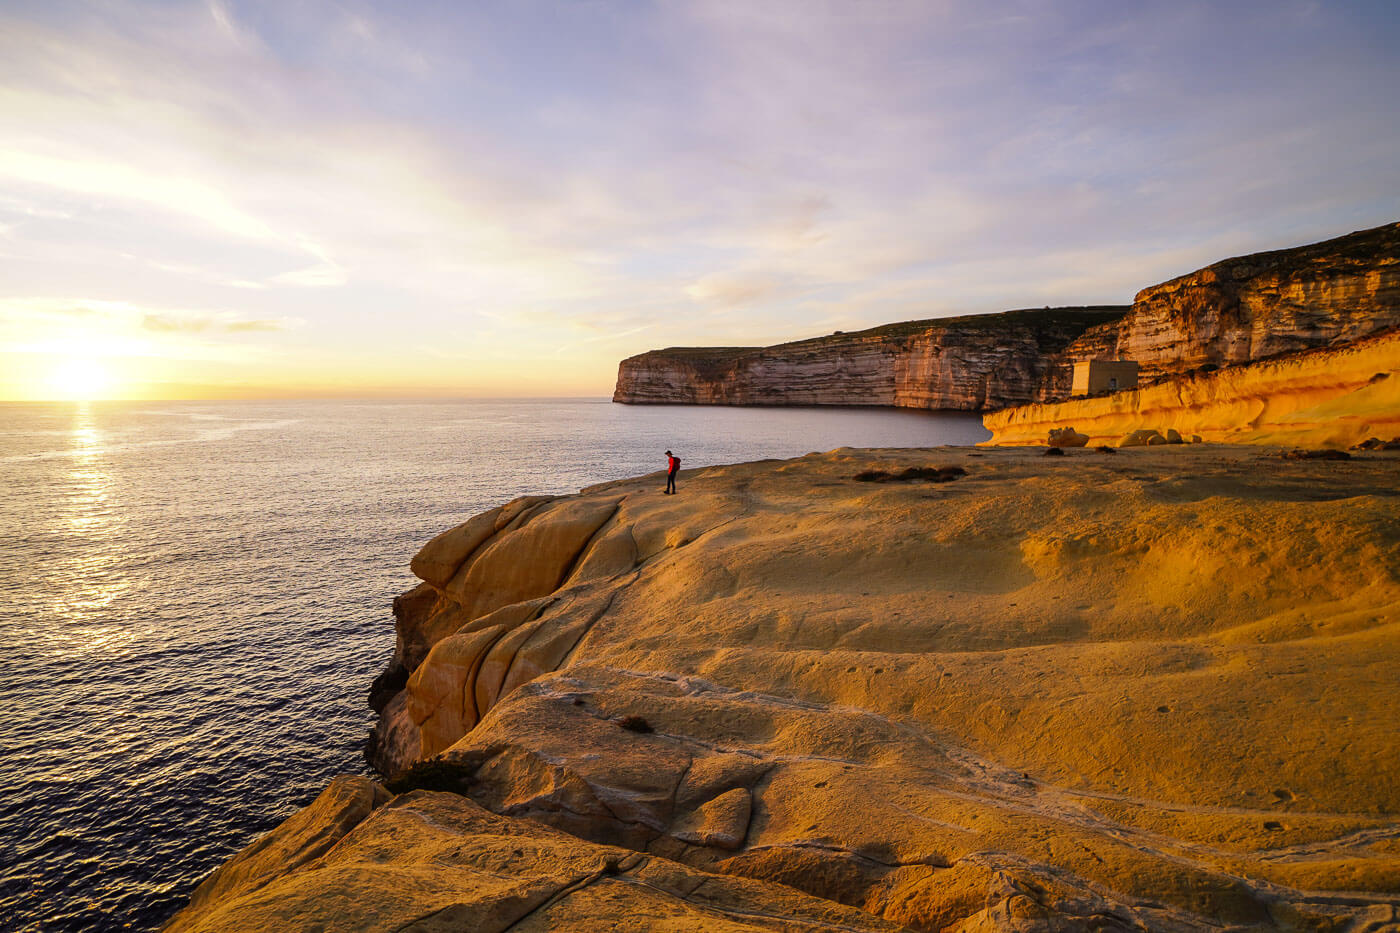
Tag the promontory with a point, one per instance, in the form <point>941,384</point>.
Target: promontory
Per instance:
<point>1232,313</point>
<point>1094,686</point>
<point>947,689</point>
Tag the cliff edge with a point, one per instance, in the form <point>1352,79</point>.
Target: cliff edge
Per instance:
<point>1153,690</point>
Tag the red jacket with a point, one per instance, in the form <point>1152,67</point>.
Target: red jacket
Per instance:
<point>672,464</point>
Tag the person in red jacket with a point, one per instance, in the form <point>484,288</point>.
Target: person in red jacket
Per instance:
<point>673,464</point>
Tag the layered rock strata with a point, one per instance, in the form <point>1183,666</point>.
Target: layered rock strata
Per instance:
<point>1321,398</point>
<point>1259,306</point>
<point>1148,691</point>
<point>1239,310</point>
<point>965,363</point>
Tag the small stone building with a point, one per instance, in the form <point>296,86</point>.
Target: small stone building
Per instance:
<point>1094,376</point>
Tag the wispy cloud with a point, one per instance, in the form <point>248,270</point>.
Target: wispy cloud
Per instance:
<point>93,327</point>
<point>492,176</point>
<point>204,323</point>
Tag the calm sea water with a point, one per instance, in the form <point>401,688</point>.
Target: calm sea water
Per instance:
<point>194,598</point>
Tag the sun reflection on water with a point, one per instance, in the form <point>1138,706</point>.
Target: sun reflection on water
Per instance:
<point>91,531</point>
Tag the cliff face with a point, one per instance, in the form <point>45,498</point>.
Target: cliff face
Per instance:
<point>1335,397</point>
<point>967,363</point>
<point>1253,307</point>
<point>1237,310</point>
<point>1045,695</point>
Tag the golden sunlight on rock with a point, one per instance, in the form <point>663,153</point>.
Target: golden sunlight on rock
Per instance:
<point>1149,690</point>
<point>1336,397</point>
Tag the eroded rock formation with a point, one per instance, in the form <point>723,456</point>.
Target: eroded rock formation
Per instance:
<point>437,861</point>
<point>1319,398</point>
<point>1150,691</point>
<point>1254,307</point>
<point>966,363</point>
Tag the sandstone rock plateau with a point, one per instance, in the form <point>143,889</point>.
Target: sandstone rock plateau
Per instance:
<point>1320,398</point>
<point>965,363</point>
<point>1149,691</point>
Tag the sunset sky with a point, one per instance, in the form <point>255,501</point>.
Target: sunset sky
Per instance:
<point>431,198</point>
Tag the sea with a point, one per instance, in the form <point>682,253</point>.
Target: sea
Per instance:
<point>195,597</point>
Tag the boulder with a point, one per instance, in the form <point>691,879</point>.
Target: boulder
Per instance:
<point>1142,438</point>
<point>1066,437</point>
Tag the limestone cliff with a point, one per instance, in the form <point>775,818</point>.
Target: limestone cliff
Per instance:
<point>1335,397</point>
<point>1258,306</point>
<point>1148,691</point>
<point>967,363</point>
<point>1238,310</point>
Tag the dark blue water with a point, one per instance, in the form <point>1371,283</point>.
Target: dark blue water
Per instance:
<point>195,598</point>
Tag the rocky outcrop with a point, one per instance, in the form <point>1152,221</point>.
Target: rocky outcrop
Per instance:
<point>301,840</point>
<point>965,363</point>
<point>1320,398</point>
<point>1044,695</point>
<point>1254,307</point>
<point>438,861</point>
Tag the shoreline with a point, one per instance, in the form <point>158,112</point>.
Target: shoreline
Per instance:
<point>889,695</point>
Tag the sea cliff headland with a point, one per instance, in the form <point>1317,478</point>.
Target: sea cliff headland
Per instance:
<point>954,689</point>
<point>1234,312</point>
<point>1151,689</point>
<point>968,363</point>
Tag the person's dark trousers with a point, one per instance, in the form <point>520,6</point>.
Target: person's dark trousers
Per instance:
<point>671,481</point>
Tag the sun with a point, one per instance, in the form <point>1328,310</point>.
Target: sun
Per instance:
<point>80,380</point>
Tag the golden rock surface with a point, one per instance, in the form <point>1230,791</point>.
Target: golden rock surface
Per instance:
<point>1152,689</point>
<point>438,862</point>
<point>1336,397</point>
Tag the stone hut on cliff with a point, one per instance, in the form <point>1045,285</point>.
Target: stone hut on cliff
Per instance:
<point>1092,377</point>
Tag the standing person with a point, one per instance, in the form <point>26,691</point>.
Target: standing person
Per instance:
<point>673,464</point>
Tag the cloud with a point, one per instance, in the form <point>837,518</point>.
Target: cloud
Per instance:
<point>106,179</point>
<point>198,323</point>
<point>704,171</point>
<point>728,291</point>
<point>119,328</point>
<point>163,324</point>
<point>255,326</point>
<point>224,20</point>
